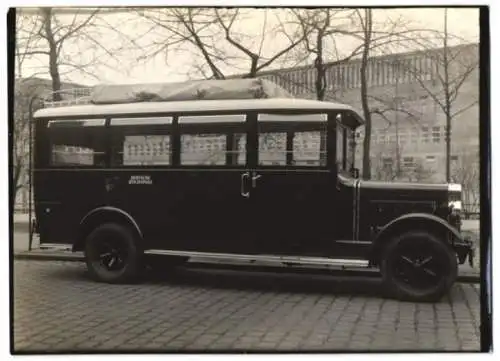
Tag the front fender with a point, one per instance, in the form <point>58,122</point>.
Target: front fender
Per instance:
<point>419,217</point>
<point>423,221</point>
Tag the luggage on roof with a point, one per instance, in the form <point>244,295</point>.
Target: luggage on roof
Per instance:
<point>184,91</point>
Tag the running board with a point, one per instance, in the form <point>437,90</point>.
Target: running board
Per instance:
<point>297,260</point>
<point>56,246</point>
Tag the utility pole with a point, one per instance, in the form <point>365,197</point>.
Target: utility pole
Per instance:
<point>395,72</point>
<point>447,95</point>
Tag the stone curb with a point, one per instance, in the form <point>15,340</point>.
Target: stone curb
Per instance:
<point>39,255</point>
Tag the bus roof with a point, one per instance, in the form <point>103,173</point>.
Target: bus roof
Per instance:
<point>196,106</point>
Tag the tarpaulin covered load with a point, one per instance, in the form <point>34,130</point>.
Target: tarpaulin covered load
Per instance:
<point>191,90</point>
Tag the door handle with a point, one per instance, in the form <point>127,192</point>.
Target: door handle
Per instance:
<point>244,176</point>
<point>110,183</point>
<point>255,176</point>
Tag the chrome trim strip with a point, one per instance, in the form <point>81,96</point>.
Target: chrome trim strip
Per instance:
<point>358,201</point>
<point>208,168</point>
<point>80,122</point>
<point>355,210</point>
<point>265,117</point>
<point>265,258</point>
<point>58,246</point>
<point>454,187</point>
<point>227,118</point>
<point>141,121</point>
<point>353,242</point>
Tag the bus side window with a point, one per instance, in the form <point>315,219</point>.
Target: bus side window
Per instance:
<point>272,148</point>
<point>141,141</point>
<point>77,146</point>
<point>307,148</point>
<point>213,149</point>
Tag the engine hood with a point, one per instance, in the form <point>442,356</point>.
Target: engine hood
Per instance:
<point>402,186</point>
<point>381,202</point>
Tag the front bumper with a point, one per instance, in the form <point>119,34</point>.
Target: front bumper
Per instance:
<point>465,250</point>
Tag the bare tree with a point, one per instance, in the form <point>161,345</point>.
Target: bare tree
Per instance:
<point>25,91</point>
<point>320,27</point>
<point>212,38</point>
<point>57,40</point>
<point>451,67</point>
<point>465,171</point>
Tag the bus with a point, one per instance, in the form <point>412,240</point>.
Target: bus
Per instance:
<point>262,179</point>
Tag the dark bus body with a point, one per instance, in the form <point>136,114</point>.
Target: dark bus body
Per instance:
<point>255,192</point>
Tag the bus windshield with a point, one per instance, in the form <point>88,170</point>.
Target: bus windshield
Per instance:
<point>346,147</point>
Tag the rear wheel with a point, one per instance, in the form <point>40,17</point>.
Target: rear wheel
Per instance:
<point>112,255</point>
<point>417,266</point>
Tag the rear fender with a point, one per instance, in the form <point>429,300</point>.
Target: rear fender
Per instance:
<point>103,215</point>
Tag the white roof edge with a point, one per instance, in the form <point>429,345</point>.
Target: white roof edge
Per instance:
<point>194,106</point>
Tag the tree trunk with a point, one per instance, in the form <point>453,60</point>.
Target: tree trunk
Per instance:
<point>53,66</point>
<point>364,96</point>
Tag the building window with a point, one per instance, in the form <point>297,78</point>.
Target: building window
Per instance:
<point>425,135</point>
<point>430,158</point>
<point>382,72</point>
<point>436,134</point>
<point>414,135</point>
<point>420,68</point>
<point>356,70</point>
<point>408,69</point>
<point>408,162</point>
<point>389,72</point>
<point>387,162</point>
<point>454,157</point>
<point>346,77</point>
<point>403,138</point>
<point>371,72</point>
<point>429,68</point>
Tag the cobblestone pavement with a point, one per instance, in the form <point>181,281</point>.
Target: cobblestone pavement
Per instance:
<point>57,308</point>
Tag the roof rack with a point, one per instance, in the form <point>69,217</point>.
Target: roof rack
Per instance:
<point>72,96</point>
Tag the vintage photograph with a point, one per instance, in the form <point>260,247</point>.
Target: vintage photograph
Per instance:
<point>249,179</point>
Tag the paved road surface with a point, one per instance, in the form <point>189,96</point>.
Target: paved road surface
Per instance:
<point>57,308</point>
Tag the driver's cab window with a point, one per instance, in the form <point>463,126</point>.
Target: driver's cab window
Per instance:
<point>345,146</point>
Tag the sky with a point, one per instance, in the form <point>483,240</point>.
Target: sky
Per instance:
<point>126,68</point>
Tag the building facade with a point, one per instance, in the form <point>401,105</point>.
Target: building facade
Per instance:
<point>406,96</point>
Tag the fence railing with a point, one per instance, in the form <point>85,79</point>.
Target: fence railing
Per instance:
<point>74,96</point>
<point>471,210</point>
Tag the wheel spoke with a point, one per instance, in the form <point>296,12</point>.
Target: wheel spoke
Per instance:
<point>425,261</point>
<point>407,260</point>
<point>429,272</point>
<point>111,262</point>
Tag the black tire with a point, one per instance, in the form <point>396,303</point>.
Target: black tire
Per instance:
<point>419,267</point>
<point>112,255</point>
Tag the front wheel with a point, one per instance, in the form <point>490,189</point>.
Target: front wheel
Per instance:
<point>111,254</point>
<point>417,266</point>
